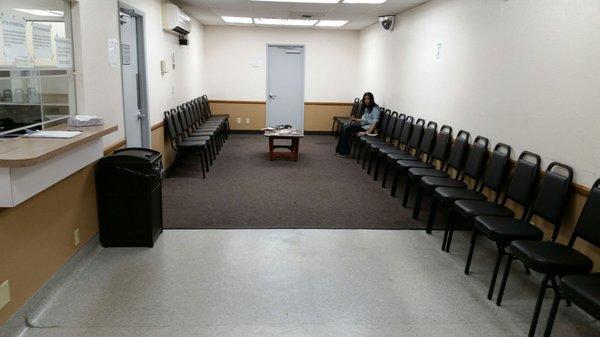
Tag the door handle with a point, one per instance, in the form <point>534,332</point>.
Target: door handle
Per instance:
<point>140,115</point>
<point>272,96</point>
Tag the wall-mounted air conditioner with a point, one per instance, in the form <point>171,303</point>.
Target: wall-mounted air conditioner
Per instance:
<point>175,20</point>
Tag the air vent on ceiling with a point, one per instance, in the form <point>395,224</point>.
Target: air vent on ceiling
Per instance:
<point>305,16</point>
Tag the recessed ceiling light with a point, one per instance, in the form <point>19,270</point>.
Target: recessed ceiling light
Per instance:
<point>40,12</point>
<point>236,19</point>
<point>331,23</point>
<point>284,22</point>
<point>364,1</point>
<point>304,1</point>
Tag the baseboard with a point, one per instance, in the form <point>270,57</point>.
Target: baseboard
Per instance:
<point>320,133</point>
<point>37,304</point>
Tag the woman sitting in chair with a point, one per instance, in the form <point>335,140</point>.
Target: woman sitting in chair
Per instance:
<point>365,124</point>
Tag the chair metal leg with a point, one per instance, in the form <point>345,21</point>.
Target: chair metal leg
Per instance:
<point>450,232</point>
<point>407,187</point>
<point>202,161</point>
<point>504,280</point>
<point>538,306</point>
<point>377,164</point>
<point>395,182</point>
<point>432,213</point>
<point>418,200</point>
<point>360,148</point>
<point>447,231</point>
<point>367,153</point>
<point>371,157</point>
<point>385,172</point>
<point>470,255</point>
<point>552,316</point>
<point>501,254</point>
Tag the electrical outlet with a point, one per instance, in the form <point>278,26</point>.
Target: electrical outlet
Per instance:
<point>247,120</point>
<point>239,120</point>
<point>4,294</point>
<point>76,237</point>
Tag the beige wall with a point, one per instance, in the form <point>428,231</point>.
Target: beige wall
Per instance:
<point>331,62</point>
<point>317,115</point>
<point>523,72</point>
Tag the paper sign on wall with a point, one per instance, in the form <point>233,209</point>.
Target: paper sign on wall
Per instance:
<point>64,53</point>
<point>42,40</point>
<point>14,43</point>
<point>113,52</point>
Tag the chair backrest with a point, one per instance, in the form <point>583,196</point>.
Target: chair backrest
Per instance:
<point>428,139</point>
<point>459,148</point>
<point>523,180</point>
<point>177,123</point>
<point>354,107</point>
<point>182,113</point>
<point>398,128</point>
<point>170,126</point>
<point>442,144</point>
<point>406,131</point>
<point>206,105</point>
<point>588,225</point>
<point>359,111</point>
<point>496,169</point>
<point>476,159</point>
<point>417,135</point>
<point>552,195</point>
<point>387,124</point>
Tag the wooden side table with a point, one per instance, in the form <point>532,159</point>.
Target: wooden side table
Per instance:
<point>293,147</point>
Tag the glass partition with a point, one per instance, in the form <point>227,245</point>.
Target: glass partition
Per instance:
<point>37,84</point>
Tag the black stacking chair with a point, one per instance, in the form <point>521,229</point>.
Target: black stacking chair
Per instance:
<point>222,117</point>
<point>189,124</point>
<point>388,123</point>
<point>205,129</point>
<point>473,170</point>
<point>220,124</point>
<point>357,114</point>
<point>373,149</point>
<point>556,260</point>
<point>403,161</point>
<point>183,147</point>
<point>455,161</point>
<point>392,145</point>
<point>439,154</point>
<point>520,191</point>
<point>583,290</point>
<point>493,180</point>
<point>401,147</point>
<point>338,120</point>
<point>549,205</point>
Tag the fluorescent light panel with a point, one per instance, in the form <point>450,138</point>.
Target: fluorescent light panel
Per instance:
<point>331,23</point>
<point>364,1</point>
<point>236,19</point>
<point>40,12</point>
<point>302,1</point>
<point>284,22</point>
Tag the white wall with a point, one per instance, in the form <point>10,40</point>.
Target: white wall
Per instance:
<point>526,73</point>
<point>99,85</point>
<point>330,65</point>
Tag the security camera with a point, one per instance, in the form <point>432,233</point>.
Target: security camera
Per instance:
<point>387,22</point>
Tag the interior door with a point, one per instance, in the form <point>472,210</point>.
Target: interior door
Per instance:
<point>131,87</point>
<point>285,86</point>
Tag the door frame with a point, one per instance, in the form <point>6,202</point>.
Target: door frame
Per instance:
<point>303,77</point>
<point>142,74</point>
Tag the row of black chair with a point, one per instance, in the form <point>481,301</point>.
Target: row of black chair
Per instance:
<point>460,176</point>
<point>192,128</point>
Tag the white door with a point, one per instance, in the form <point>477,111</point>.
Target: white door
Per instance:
<point>131,90</point>
<point>285,86</point>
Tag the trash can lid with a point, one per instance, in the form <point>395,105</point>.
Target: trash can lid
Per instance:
<point>140,155</point>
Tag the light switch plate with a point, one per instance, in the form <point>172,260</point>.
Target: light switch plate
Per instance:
<point>247,120</point>
<point>4,294</point>
<point>239,120</point>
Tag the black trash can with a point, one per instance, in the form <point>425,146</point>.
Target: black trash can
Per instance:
<point>128,183</point>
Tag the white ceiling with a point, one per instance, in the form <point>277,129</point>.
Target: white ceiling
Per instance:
<point>209,12</point>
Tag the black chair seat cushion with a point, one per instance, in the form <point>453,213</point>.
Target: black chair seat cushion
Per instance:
<point>401,156</point>
<point>431,183</point>
<point>550,257</point>
<point>221,115</point>
<point>410,164</point>
<point>583,290</point>
<point>449,194</point>
<point>377,145</point>
<point>473,208</point>
<point>388,147</point>
<point>504,229</point>
<point>389,150</point>
<point>429,171</point>
<point>191,143</point>
<point>201,133</point>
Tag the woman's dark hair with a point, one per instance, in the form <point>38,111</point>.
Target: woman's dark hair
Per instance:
<point>371,100</point>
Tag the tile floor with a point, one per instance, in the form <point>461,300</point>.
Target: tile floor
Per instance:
<point>297,283</point>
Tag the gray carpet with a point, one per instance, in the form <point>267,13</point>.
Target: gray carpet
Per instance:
<point>246,190</point>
